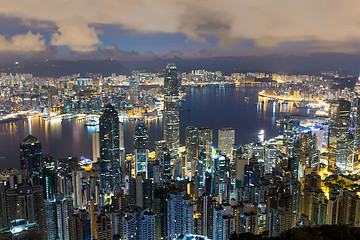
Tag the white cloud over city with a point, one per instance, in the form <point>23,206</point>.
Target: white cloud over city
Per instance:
<point>326,25</point>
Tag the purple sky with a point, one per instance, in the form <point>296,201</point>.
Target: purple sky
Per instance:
<point>143,29</point>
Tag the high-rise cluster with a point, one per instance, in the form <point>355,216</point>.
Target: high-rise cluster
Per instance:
<point>196,191</point>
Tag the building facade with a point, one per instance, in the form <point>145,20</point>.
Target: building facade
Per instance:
<point>171,109</point>
<point>109,149</point>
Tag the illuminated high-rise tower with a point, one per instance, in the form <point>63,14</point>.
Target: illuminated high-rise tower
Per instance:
<point>226,139</point>
<point>30,156</point>
<point>205,143</point>
<point>141,140</point>
<point>171,109</point>
<point>192,142</point>
<point>192,150</point>
<point>59,217</point>
<point>339,134</point>
<point>141,137</point>
<point>109,149</point>
<point>353,158</point>
<point>27,202</point>
<point>95,138</point>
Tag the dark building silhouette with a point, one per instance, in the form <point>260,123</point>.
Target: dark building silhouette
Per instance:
<point>171,109</point>
<point>30,157</point>
<point>109,148</point>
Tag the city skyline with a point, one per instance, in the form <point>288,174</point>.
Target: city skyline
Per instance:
<point>282,179</point>
<point>179,120</point>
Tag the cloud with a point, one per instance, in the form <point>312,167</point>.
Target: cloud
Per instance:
<point>77,35</point>
<point>326,25</point>
<point>27,42</point>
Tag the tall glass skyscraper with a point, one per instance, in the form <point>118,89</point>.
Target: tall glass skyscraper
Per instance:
<point>109,149</point>
<point>355,116</point>
<point>171,109</point>
<point>339,134</point>
<point>192,142</point>
<point>30,157</point>
<point>226,139</point>
<point>27,202</point>
<point>141,140</point>
<point>205,143</point>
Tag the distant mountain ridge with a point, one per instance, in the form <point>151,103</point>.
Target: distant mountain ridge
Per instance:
<point>310,64</point>
<point>58,68</point>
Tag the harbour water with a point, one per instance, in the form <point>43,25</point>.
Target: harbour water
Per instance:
<point>215,106</point>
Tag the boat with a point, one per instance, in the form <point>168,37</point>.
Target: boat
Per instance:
<point>92,123</point>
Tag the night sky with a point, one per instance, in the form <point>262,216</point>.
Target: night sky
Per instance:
<point>145,29</point>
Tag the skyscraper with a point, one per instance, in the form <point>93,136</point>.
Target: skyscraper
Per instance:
<point>121,136</point>
<point>141,140</point>
<point>355,115</point>
<point>59,216</point>
<point>103,227</point>
<point>139,225</point>
<point>180,214</point>
<point>48,177</point>
<point>30,156</point>
<point>82,229</point>
<point>122,146</point>
<point>95,137</point>
<point>9,178</point>
<point>141,137</point>
<point>226,139</point>
<point>162,154</point>
<point>171,109</point>
<point>339,134</point>
<point>205,143</point>
<point>3,213</point>
<point>160,210</point>
<point>109,149</point>
<point>192,150</point>
<point>27,202</point>
<point>192,142</point>
<point>160,147</point>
